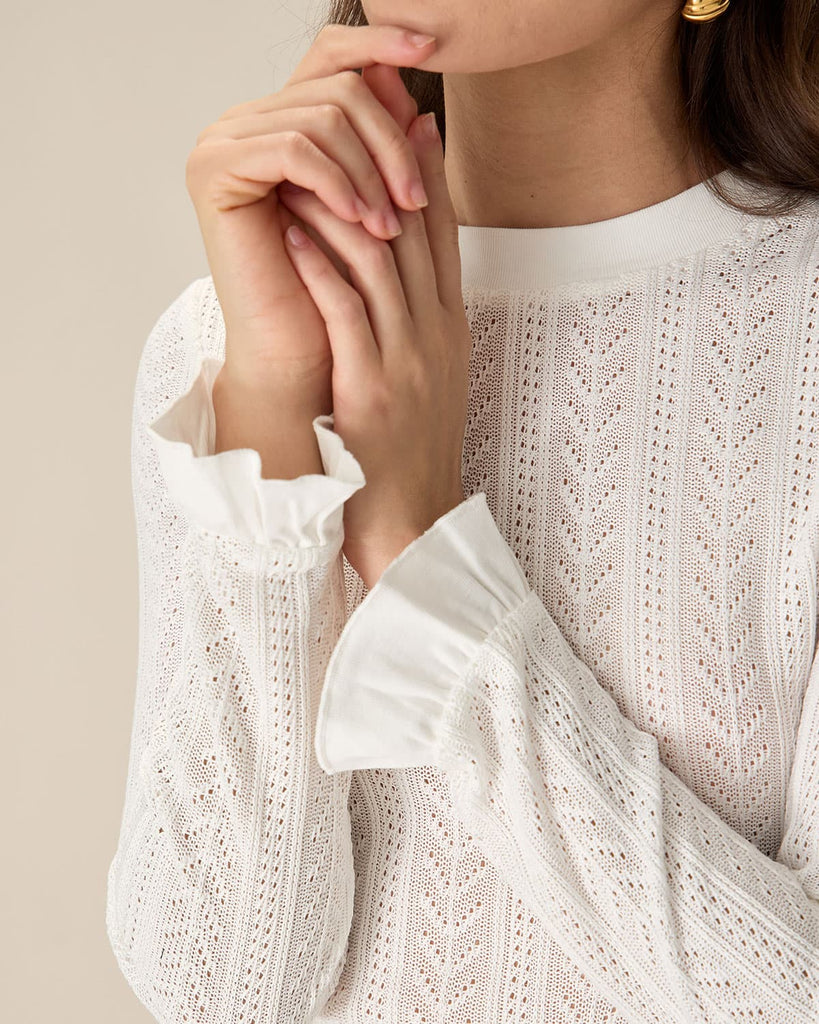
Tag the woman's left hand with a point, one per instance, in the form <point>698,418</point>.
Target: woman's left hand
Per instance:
<point>401,345</point>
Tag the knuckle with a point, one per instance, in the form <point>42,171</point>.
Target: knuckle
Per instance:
<point>330,31</point>
<point>415,372</point>
<point>207,160</point>
<point>233,111</point>
<point>373,185</point>
<point>380,400</point>
<point>349,306</point>
<point>399,146</point>
<point>193,166</point>
<point>295,140</point>
<point>350,83</point>
<point>332,114</point>
<point>377,256</point>
<point>323,270</point>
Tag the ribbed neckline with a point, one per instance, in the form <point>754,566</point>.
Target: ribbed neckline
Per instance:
<point>521,258</point>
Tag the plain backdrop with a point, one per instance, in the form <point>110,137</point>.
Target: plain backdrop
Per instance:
<point>101,104</point>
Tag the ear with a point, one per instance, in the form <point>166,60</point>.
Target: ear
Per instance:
<point>385,83</point>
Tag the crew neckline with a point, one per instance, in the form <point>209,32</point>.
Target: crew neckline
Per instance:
<point>520,258</point>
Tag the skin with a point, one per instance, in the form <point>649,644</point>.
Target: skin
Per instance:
<point>574,105</point>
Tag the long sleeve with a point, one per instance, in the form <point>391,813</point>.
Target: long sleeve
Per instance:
<point>230,893</point>
<point>452,660</point>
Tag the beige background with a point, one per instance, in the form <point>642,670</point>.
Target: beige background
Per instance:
<point>101,104</point>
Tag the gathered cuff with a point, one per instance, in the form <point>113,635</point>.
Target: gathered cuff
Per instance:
<point>405,650</point>
<point>225,493</point>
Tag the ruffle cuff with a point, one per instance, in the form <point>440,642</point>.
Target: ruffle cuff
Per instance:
<point>408,645</point>
<point>224,493</point>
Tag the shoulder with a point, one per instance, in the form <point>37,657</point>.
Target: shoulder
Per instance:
<point>765,278</point>
<point>786,245</point>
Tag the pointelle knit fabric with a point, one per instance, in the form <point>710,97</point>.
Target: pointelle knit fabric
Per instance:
<point>561,763</point>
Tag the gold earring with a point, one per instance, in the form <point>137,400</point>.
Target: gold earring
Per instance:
<point>704,10</point>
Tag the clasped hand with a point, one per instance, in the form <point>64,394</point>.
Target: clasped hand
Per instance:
<point>401,344</point>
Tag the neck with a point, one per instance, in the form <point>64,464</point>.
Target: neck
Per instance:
<point>579,138</point>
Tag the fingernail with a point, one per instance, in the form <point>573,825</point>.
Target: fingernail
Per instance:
<point>392,222</point>
<point>297,237</point>
<point>418,194</point>
<point>416,39</point>
<point>430,125</point>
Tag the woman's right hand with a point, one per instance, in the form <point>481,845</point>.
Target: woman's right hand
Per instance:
<point>324,131</point>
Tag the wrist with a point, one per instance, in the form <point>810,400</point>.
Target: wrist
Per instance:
<point>289,392</point>
<point>277,424</point>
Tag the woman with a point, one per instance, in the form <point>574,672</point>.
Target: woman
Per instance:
<point>478,590</point>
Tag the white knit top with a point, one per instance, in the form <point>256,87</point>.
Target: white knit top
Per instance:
<point>561,763</point>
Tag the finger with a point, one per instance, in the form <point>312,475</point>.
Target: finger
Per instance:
<point>287,217</point>
<point>440,218</point>
<point>372,269</point>
<point>327,127</point>
<point>383,137</point>
<point>355,351</point>
<point>341,47</point>
<point>411,249</point>
<point>385,83</point>
<point>230,170</point>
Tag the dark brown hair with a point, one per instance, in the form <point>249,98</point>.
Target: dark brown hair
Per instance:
<point>750,89</point>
